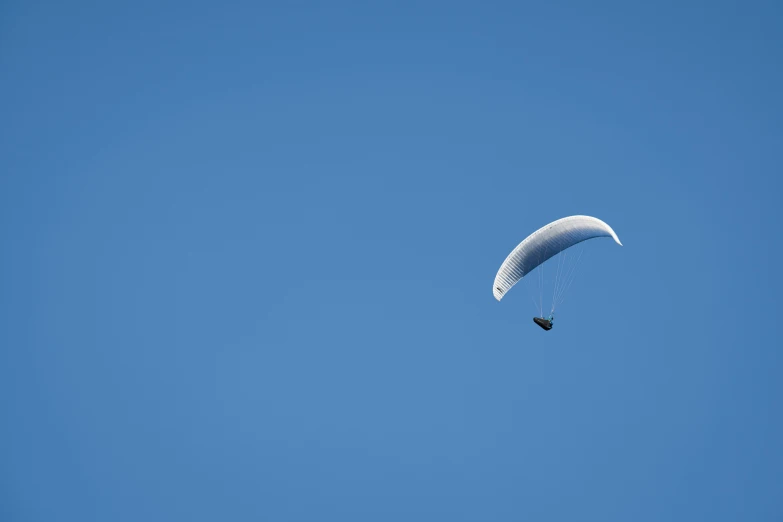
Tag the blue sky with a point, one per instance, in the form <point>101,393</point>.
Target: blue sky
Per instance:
<point>248,250</point>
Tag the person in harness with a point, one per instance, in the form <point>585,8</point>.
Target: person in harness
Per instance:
<point>547,323</point>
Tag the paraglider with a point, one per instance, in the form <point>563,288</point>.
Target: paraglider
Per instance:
<point>546,324</point>
<point>548,241</point>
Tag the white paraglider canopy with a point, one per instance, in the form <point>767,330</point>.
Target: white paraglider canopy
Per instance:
<point>545,243</point>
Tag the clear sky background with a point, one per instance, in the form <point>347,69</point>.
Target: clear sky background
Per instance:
<point>247,255</point>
